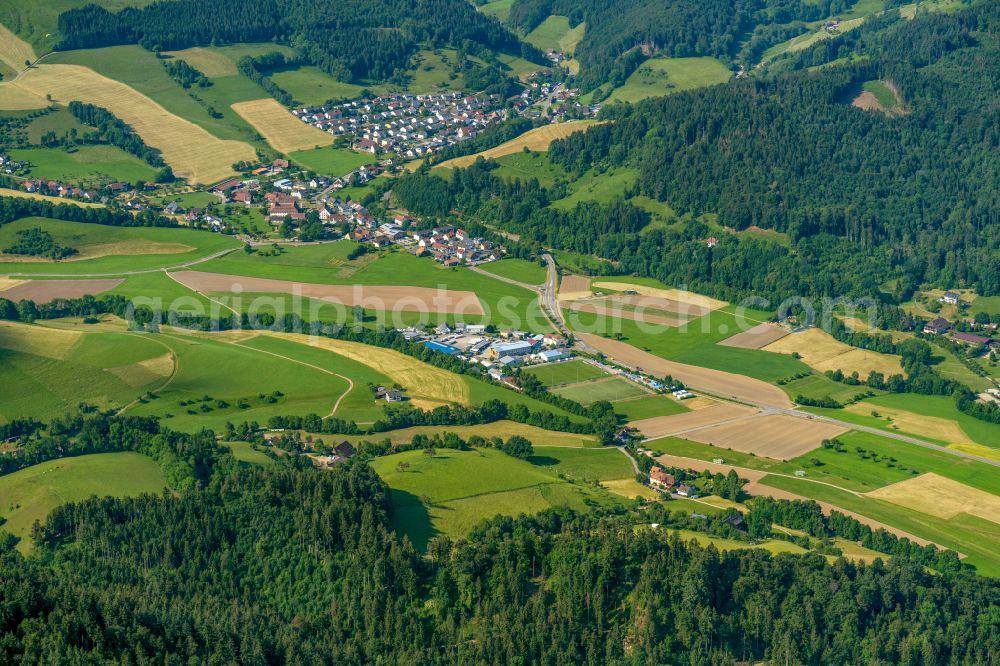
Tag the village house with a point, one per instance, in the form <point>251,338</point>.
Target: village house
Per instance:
<point>950,298</point>
<point>937,326</point>
<point>660,479</point>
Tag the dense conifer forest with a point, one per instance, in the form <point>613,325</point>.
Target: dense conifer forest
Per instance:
<point>350,39</point>
<point>294,565</point>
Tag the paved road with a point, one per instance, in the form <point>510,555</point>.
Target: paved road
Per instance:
<point>542,292</point>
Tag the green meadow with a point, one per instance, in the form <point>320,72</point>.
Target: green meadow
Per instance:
<point>453,490</point>
<point>603,186</point>
<point>107,250</point>
<point>527,272</point>
<point>648,407</point>
<point>610,389</point>
<point>662,76</point>
<point>331,161</point>
<point>527,165</point>
<point>246,453</point>
<point>32,493</point>
<point>85,165</point>
<point>565,372</point>
<point>313,87</point>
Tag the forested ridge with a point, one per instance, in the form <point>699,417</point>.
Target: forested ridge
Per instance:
<point>350,39</point>
<point>287,564</point>
<point>863,197</point>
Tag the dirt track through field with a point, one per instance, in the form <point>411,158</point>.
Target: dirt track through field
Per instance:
<point>44,291</point>
<point>283,131</point>
<point>189,149</point>
<point>721,412</point>
<point>724,384</point>
<point>759,336</point>
<point>389,298</point>
<point>538,139</point>
<point>770,435</point>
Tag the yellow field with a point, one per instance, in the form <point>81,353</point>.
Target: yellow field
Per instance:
<point>191,151</point>
<point>686,297</point>
<point>9,283</point>
<point>820,351</point>
<point>13,98</point>
<point>537,139</point>
<point>283,131</point>
<point>630,488</point>
<point>14,50</point>
<point>132,246</point>
<point>4,192</point>
<point>934,427</point>
<point>28,339</point>
<point>210,63</point>
<point>977,449</point>
<point>538,436</point>
<point>941,497</point>
<point>427,386</point>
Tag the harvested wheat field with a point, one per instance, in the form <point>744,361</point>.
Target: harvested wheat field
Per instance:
<point>759,336</point>
<point>574,287</point>
<point>724,384</point>
<point>428,386</point>
<point>390,298</point>
<point>611,310</point>
<point>14,51</point>
<point>13,98</point>
<point>283,131</point>
<point>43,291</point>
<point>8,283</point>
<point>538,139</point>
<point>941,497</point>
<point>657,304</point>
<point>820,351</point>
<point>776,436</point>
<point>145,372</point>
<point>5,192</point>
<point>677,424</point>
<point>36,340</point>
<point>677,295</point>
<point>935,427</point>
<point>210,63</point>
<point>191,151</point>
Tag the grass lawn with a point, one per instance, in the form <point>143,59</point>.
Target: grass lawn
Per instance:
<point>975,537</point>
<point>819,386</point>
<point>107,249</point>
<point>450,492</point>
<point>172,294</point>
<point>952,368</point>
<point>603,187</point>
<point>325,264</point>
<point>883,95</point>
<point>611,388</point>
<point>588,464</point>
<point>989,304</point>
<point>522,270</point>
<point>32,493</point>
<point>565,372</point>
<point>648,407</point>
<point>662,76</point>
<point>331,161</point>
<point>942,407</point>
<point>86,165</point>
<point>773,546</point>
<point>197,199</point>
<point>528,165</point>
<point>245,453</point>
<point>313,87</point>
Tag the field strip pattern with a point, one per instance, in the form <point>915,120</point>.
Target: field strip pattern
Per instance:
<point>190,150</point>
<point>688,298</point>
<point>45,291</point>
<point>609,310</point>
<point>370,297</point>
<point>938,496</point>
<point>757,337</point>
<point>675,424</point>
<point>279,127</point>
<point>718,382</point>
<point>14,51</point>
<point>771,435</point>
<point>821,351</point>
<point>538,139</point>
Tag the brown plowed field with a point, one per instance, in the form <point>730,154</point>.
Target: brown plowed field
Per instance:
<point>573,287</point>
<point>759,336</point>
<point>725,384</point>
<point>43,291</point>
<point>388,298</point>
<point>719,413</point>
<point>772,435</point>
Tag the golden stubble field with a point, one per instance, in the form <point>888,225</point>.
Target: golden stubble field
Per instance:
<point>189,149</point>
<point>279,127</point>
<point>537,139</point>
<point>820,351</point>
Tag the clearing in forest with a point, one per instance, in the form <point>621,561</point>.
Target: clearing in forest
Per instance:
<point>881,96</point>
<point>821,351</point>
<point>190,150</point>
<point>283,131</point>
<point>938,496</point>
<point>537,139</point>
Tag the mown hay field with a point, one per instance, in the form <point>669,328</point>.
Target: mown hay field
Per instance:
<point>717,414</point>
<point>922,425</point>
<point>573,287</point>
<point>44,291</point>
<point>14,51</point>
<point>605,388</point>
<point>190,150</point>
<point>941,497</point>
<point>690,299</point>
<point>776,436</point>
<point>821,351</point>
<point>209,62</point>
<point>537,139</point>
<point>279,127</point>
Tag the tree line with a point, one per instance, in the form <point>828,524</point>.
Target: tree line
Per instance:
<point>115,131</point>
